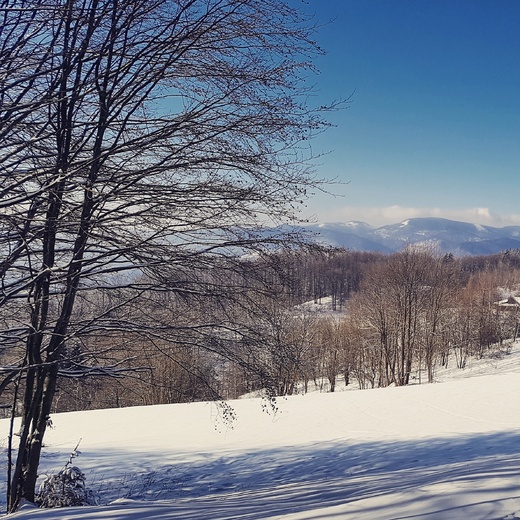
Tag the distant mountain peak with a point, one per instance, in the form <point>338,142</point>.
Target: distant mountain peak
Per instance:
<point>448,236</point>
<point>358,224</point>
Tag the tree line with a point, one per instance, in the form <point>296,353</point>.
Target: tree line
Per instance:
<point>408,313</point>
<point>384,320</point>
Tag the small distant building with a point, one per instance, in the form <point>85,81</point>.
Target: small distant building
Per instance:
<point>510,304</point>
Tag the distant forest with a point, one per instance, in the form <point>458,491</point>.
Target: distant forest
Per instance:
<point>309,316</point>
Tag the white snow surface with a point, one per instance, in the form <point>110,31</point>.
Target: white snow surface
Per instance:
<point>448,450</point>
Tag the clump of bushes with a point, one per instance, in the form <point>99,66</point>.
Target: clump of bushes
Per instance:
<point>66,488</point>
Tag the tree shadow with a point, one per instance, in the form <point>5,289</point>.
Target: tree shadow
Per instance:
<point>275,482</point>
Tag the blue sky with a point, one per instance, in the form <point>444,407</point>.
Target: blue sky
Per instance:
<point>433,128</point>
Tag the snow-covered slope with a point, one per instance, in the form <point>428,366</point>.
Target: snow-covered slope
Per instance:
<point>448,450</point>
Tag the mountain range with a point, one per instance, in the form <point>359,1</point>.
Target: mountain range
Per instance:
<point>448,236</point>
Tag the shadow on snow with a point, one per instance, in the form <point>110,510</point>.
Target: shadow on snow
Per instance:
<point>270,483</point>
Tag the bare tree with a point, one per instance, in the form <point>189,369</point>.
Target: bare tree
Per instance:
<point>333,347</point>
<point>138,137</point>
<point>440,288</point>
<point>288,336</point>
<point>394,308</point>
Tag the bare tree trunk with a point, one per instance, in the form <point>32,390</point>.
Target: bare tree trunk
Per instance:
<point>134,136</point>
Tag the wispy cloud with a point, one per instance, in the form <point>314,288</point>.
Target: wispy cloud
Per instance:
<point>392,214</point>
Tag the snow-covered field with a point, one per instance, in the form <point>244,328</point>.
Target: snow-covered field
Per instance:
<point>449,450</point>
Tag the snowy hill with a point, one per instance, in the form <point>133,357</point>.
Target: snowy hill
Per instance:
<point>449,450</point>
<point>460,238</point>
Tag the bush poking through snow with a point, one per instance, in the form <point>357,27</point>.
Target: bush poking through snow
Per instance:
<point>66,488</point>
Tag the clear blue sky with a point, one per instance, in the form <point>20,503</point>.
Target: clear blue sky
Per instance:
<point>434,124</point>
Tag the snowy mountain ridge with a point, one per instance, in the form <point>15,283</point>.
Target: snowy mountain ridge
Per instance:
<point>448,236</point>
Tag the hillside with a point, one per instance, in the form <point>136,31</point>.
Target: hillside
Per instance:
<point>449,450</point>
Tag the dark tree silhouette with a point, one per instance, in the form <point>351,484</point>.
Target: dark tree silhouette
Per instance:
<point>140,140</point>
